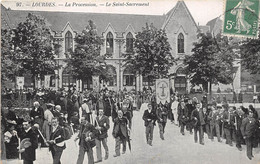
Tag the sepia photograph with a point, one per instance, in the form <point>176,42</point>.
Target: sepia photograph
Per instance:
<point>130,82</point>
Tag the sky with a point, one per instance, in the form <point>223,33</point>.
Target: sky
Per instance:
<point>201,10</point>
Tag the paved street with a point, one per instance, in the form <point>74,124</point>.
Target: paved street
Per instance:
<point>175,149</point>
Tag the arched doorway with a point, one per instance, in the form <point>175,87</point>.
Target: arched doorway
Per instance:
<point>180,81</point>
<point>67,79</point>
<point>87,84</point>
<point>129,79</point>
<point>111,82</point>
<point>49,80</point>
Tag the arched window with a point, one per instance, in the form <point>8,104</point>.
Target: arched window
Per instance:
<point>112,71</point>
<point>87,84</point>
<point>52,81</point>
<point>180,43</point>
<point>68,41</point>
<point>109,43</point>
<point>180,71</point>
<point>67,78</point>
<point>128,77</point>
<point>129,42</point>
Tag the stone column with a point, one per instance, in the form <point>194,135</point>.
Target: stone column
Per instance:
<point>56,80</point>
<point>188,85</point>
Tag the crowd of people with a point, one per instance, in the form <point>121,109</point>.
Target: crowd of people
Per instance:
<point>56,116</point>
<point>238,125</point>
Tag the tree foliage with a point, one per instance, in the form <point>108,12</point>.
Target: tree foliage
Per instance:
<point>151,56</point>
<point>33,47</point>
<point>10,66</point>
<point>86,60</point>
<point>250,55</point>
<point>212,60</point>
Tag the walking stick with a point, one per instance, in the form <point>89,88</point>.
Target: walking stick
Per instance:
<point>44,140</point>
<point>42,135</point>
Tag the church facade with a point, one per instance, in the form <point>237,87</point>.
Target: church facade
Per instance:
<point>117,32</point>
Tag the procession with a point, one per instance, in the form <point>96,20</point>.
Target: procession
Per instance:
<point>51,125</point>
<point>110,82</point>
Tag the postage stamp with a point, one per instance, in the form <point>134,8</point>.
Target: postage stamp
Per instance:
<point>241,18</point>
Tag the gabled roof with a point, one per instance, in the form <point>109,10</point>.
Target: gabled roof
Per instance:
<point>79,21</point>
<point>212,23</point>
<point>5,20</point>
<point>173,10</point>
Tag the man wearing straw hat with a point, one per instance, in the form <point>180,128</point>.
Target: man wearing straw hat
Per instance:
<point>29,143</point>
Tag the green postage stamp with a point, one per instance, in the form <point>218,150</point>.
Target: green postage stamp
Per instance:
<point>241,18</point>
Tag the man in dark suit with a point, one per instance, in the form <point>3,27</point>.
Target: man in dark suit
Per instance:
<point>120,132</point>
<point>214,121</point>
<point>183,116</point>
<point>149,118</point>
<point>228,121</point>
<point>56,142</point>
<point>28,152</point>
<point>161,113</point>
<point>248,128</point>
<point>102,125</point>
<point>86,136</point>
<point>37,114</point>
<point>239,116</point>
<point>198,116</point>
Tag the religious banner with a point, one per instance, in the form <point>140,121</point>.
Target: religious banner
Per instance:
<point>20,82</point>
<point>47,80</point>
<point>95,80</point>
<point>162,91</point>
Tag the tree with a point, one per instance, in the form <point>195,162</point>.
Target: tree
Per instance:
<point>250,55</point>
<point>151,56</point>
<point>33,47</point>
<point>10,66</point>
<point>86,60</point>
<point>212,60</point>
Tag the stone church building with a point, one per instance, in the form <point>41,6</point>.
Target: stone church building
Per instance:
<point>117,31</point>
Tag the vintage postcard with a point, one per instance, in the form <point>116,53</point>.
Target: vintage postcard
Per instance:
<point>130,81</point>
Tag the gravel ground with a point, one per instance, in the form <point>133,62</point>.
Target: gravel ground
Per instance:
<point>175,149</point>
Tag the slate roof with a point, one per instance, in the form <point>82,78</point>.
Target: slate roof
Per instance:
<point>78,21</point>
